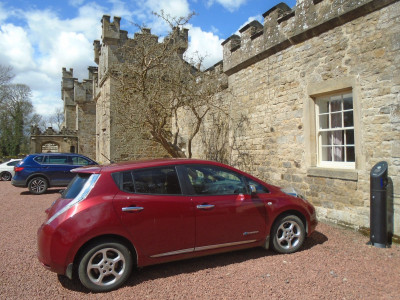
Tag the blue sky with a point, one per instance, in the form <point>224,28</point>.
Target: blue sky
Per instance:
<point>40,37</point>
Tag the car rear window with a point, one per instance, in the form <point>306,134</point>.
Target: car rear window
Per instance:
<point>75,186</point>
<point>13,163</point>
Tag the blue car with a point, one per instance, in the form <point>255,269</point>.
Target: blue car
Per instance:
<point>40,171</point>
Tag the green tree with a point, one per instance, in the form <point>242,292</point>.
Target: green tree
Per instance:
<point>16,112</point>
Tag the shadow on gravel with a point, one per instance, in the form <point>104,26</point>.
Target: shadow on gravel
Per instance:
<point>316,238</point>
<point>48,192</point>
<point>195,264</point>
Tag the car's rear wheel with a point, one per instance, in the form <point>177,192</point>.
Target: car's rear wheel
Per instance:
<point>37,185</point>
<point>288,234</point>
<point>5,176</point>
<point>105,266</point>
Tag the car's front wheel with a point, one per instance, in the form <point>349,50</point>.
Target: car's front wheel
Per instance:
<point>105,266</point>
<point>37,185</point>
<point>288,234</point>
<point>5,176</point>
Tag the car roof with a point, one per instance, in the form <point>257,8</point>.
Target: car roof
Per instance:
<point>59,153</point>
<point>124,166</point>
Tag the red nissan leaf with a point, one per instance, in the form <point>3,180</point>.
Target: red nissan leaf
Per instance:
<point>116,217</point>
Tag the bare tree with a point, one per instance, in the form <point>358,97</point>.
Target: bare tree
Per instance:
<point>165,89</point>
<point>5,75</point>
<point>56,119</point>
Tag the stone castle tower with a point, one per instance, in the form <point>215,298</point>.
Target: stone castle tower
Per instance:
<point>117,138</point>
<point>77,133</point>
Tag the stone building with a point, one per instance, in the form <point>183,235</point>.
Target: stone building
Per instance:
<point>77,134</point>
<point>319,86</point>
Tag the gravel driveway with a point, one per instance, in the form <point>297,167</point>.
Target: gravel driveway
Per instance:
<point>334,264</point>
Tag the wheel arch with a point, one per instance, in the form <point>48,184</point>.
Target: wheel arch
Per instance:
<point>289,213</point>
<point>106,237</point>
<point>38,175</point>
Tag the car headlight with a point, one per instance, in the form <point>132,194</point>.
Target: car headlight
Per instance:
<point>293,192</point>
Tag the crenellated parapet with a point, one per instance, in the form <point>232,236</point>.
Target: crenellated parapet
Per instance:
<point>217,69</point>
<point>107,51</point>
<point>73,91</point>
<point>111,31</point>
<point>67,87</point>
<point>50,132</point>
<point>284,27</point>
<point>83,91</point>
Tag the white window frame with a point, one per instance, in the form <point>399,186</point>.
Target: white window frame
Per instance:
<point>319,130</point>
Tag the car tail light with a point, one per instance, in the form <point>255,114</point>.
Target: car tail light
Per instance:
<point>18,169</point>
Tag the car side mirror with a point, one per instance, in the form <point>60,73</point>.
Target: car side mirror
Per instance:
<point>253,189</point>
<point>61,191</point>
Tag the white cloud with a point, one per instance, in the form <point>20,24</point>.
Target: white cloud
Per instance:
<point>206,44</point>
<point>230,5</point>
<point>69,49</point>
<point>36,80</point>
<point>16,48</point>
<point>46,102</point>
<point>174,8</point>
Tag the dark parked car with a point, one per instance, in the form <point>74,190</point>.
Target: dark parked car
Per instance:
<point>40,171</point>
<point>111,218</point>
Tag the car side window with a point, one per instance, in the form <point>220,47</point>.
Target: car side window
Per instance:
<point>13,163</point>
<point>58,160</point>
<point>40,159</point>
<point>160,181</point>
<point>212,180</point>
<point>260,189</point>
<point>77,160</point>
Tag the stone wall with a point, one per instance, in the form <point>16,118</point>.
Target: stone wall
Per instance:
<point>275,73</point>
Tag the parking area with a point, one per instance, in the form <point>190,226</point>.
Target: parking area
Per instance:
<point>335,263</point>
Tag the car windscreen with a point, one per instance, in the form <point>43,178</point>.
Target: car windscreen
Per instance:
<point>75,186</point>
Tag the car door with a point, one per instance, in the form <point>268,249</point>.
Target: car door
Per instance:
<point>56,167</point>
<point>226,214</point>
<point>158,217</point>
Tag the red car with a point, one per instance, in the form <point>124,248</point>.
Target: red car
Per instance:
<point>112,218</point>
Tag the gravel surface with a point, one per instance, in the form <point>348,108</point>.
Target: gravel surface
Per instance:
<point>335,263</point>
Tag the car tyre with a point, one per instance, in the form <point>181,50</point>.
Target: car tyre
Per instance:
<point>37,185</point>
<point>288,234</point>
<point>5,176</point>
<point>105,266</point>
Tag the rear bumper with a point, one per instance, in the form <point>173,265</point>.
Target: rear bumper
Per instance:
<point>18,183</point>
<point>45,254</point>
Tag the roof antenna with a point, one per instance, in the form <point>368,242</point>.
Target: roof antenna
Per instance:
<point>111,162</point>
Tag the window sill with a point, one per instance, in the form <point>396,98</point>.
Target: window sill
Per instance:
<point>344,174</point>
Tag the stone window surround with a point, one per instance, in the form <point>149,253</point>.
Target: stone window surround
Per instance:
<point>319,89</point>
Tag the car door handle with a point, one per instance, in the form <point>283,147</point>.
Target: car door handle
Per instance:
<point>132,209</point>
<point>205,206</point>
